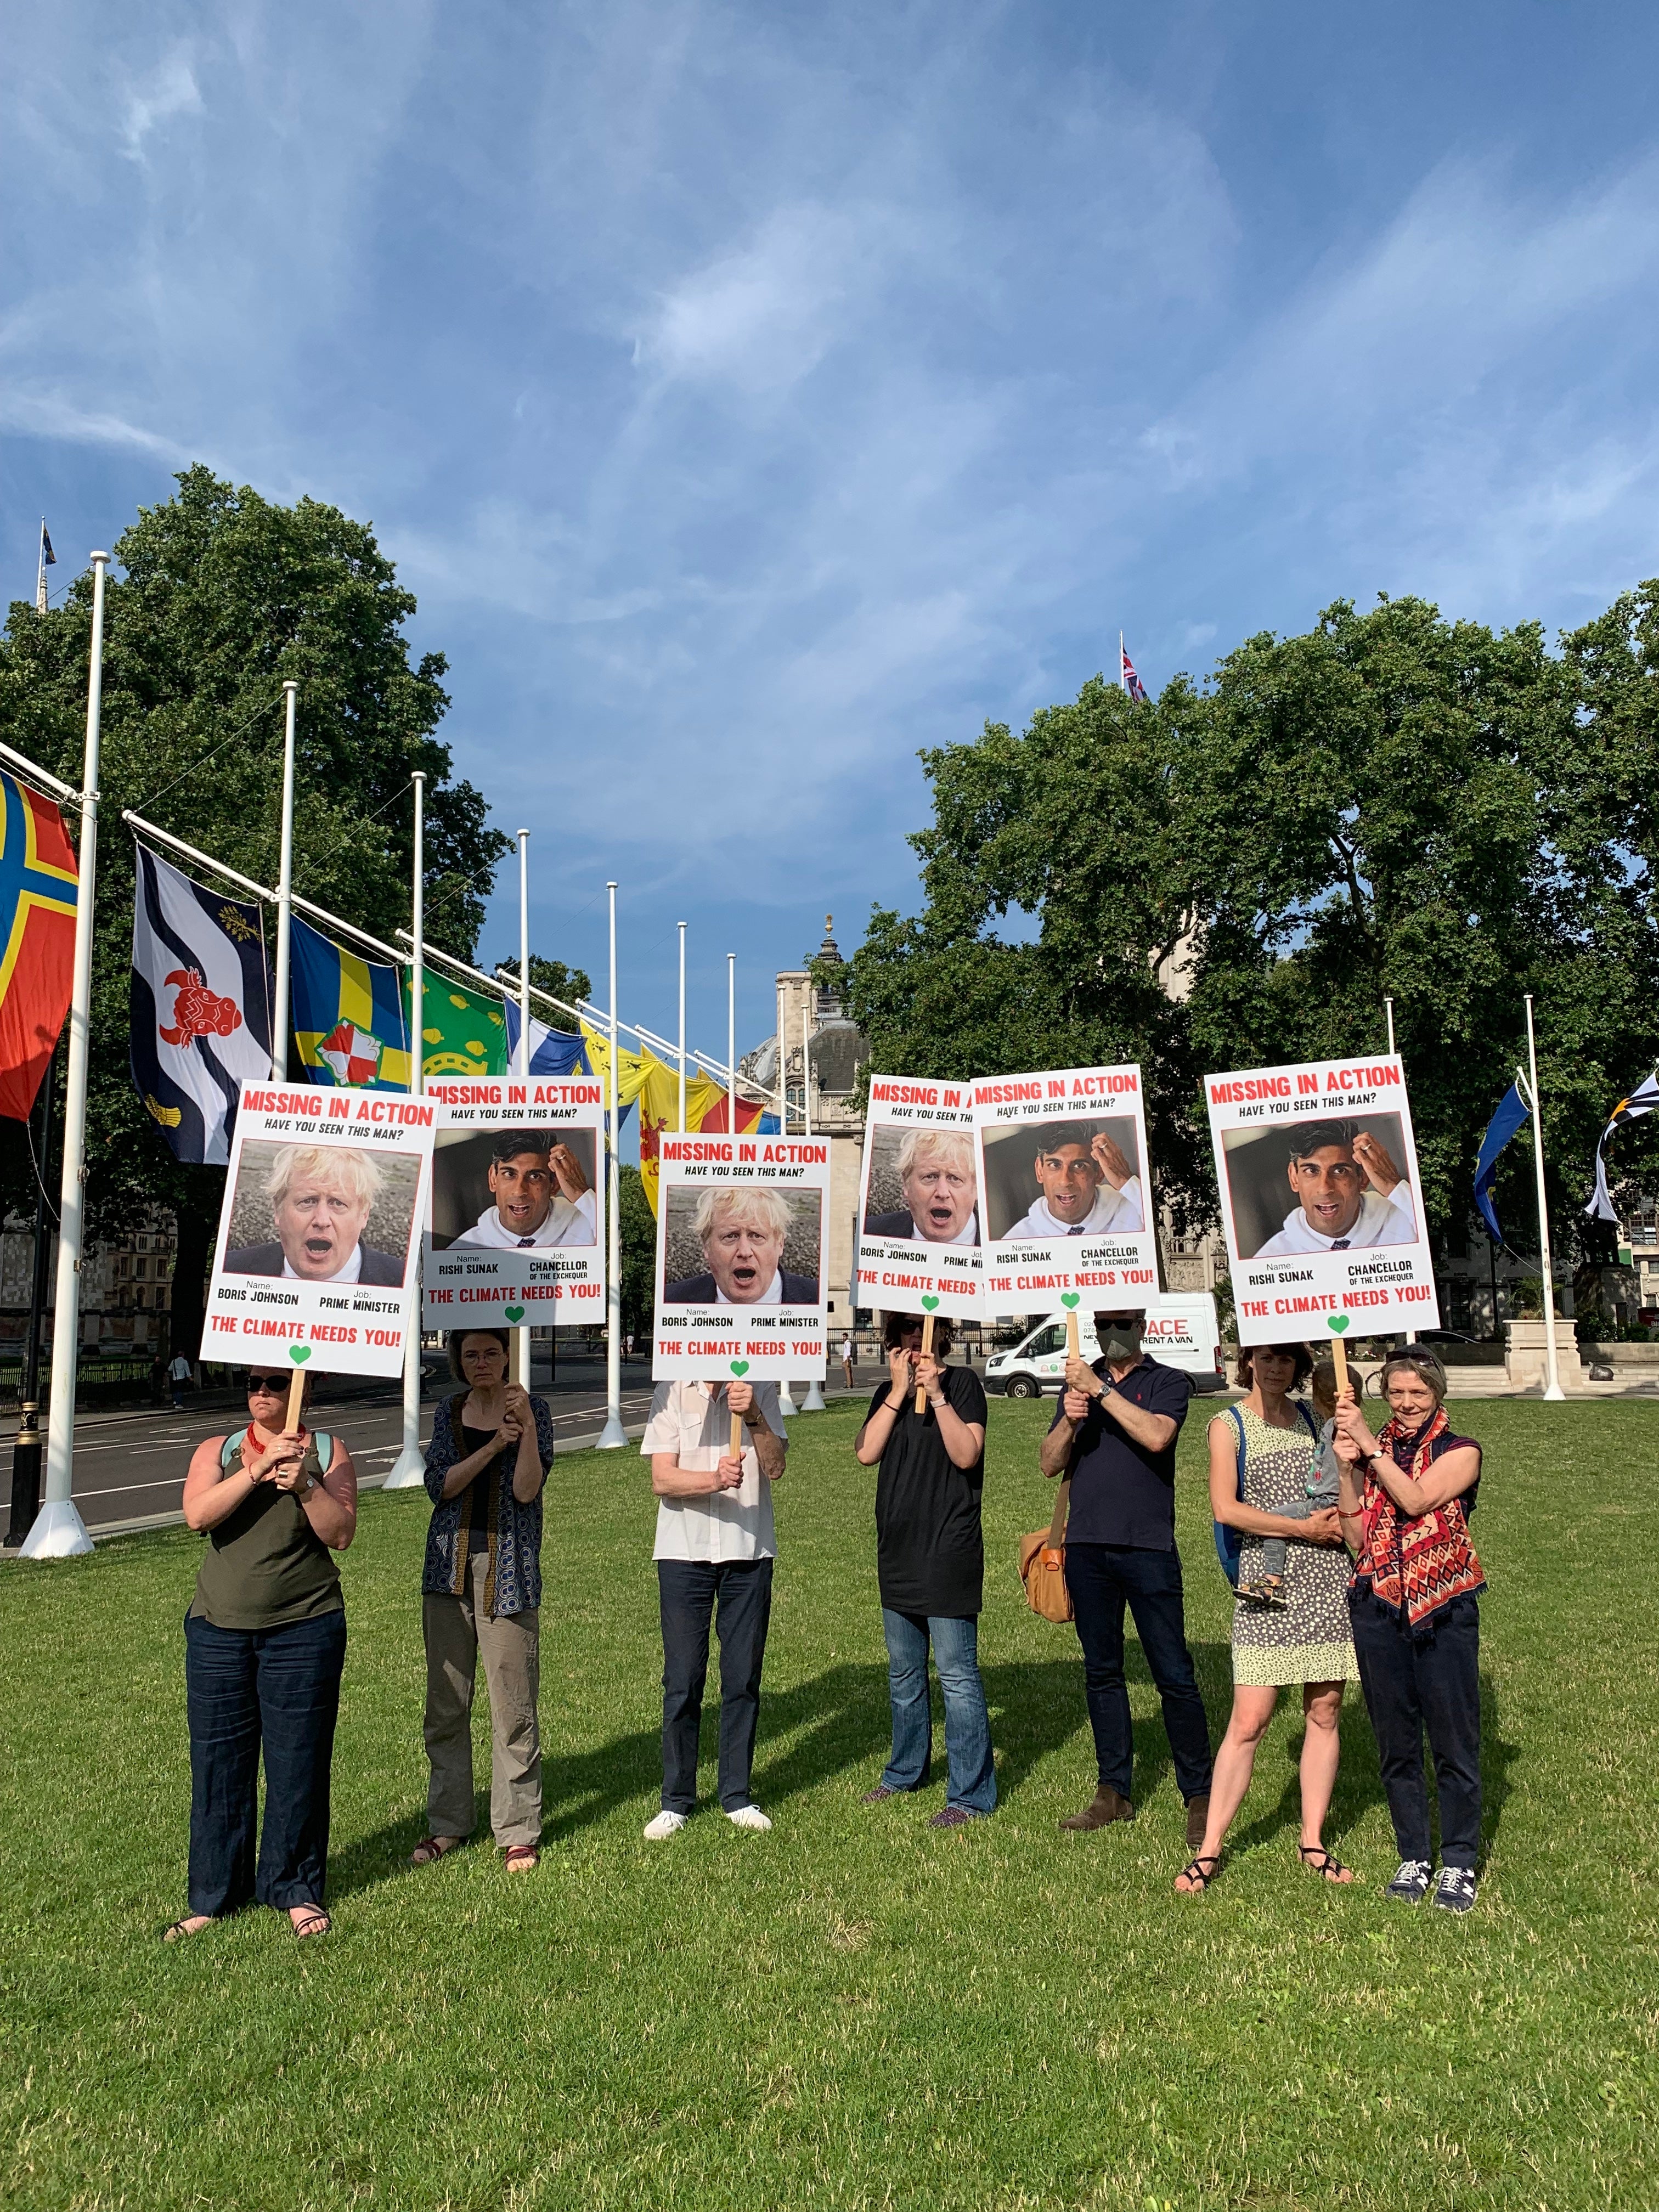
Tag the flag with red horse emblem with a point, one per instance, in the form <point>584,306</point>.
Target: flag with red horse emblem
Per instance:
<point>38,883</point>
<point>201,1008</point>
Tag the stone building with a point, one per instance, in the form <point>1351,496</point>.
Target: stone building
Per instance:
<point>126,1289</point>
<point>814,1081</point>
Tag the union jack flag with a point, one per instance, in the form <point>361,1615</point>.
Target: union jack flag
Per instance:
<point>1132,683</point>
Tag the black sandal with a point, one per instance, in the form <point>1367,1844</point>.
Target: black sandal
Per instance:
<point>181,1931</point>
<point>1320,1862</point>
<point>1199,1873</point>
<point>315,1923</point>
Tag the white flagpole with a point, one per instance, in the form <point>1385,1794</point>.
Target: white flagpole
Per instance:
<point>681,1123</point>
<point>41,573</point>
<point>732,1047</point>
<point>787,1405</point>
<point>521,1336</point>
<point>1552,1389</point>
<point>284,892</point>
<point>813,1402</point>
<point>1388,1008</point>
<point>58,1531</point>
<point>1122,680</point>
<point>408,1468</point>
<point>613,1436</point>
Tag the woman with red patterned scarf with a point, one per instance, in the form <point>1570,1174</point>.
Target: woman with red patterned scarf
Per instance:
<point>1405,1500</point>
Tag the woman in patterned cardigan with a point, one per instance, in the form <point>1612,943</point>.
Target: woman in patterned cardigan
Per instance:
<point>1405,1498</point>
<point>492,1446</point>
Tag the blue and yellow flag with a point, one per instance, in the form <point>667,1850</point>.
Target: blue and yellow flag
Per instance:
<point>349,1023</point>
<point>37,886</point>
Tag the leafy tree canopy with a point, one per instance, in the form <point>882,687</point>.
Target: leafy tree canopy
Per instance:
<point>220,595</point>
<point>570,984</point>
<point>1240,872</point>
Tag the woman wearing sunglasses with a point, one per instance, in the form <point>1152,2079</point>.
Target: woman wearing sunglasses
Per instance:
<point>264,1642</point>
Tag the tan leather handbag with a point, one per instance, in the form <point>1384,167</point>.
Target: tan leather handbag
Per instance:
<point>1043,1563</point>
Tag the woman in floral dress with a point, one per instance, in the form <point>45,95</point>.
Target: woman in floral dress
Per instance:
<point>1305,1641</point>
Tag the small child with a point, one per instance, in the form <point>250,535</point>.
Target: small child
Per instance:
<point>1268,1588</point>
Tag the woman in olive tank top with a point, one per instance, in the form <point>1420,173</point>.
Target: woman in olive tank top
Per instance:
<point>264,1643</point>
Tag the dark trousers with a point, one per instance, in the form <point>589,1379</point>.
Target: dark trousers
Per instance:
<point>1432,1684</point>
<point>1102,1579</point>
<point>278,1689</point>
<point>737,1596</point>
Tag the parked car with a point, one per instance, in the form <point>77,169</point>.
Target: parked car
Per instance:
<point>1181,1332</point>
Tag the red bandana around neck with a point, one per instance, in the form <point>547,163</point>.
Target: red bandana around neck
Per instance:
<point>1415,1563</point>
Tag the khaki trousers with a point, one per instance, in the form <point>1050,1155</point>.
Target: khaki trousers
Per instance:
<point>456,1629</point>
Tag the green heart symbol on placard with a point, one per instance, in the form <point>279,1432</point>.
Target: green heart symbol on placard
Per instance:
<point>928,1305</point>
<point>1338,1321</point>
<point>1071,1298</point>
<point>739,1366</point>
<point>299,1353</point>
<point>515,1314</point>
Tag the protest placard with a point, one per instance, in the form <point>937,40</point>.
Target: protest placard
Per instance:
<point>919,1228</point>
<point>1067,1194</point>
<point>517,1229</point>
<point>742,1289</point>
<point>1320,1202</point>
<point>325,1195</point>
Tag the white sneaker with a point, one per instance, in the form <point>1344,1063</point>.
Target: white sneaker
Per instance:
<point>751,1816</point>
<point>666,1823</point>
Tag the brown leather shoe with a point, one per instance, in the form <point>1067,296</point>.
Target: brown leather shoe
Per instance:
<point>1197,1816</point>
<point>1103,1808</point>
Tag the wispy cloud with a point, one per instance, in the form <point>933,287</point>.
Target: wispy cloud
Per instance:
<point>167,90</point>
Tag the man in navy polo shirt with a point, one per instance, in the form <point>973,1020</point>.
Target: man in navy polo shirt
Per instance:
<point>1114,1436</point>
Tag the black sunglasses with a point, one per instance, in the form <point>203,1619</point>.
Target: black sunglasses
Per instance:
<point>273,1384</point>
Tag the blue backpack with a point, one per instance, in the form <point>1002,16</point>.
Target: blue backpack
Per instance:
<point>1230,1542</point>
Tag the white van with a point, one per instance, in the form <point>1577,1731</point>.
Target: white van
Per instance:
<point>1179,1332</point>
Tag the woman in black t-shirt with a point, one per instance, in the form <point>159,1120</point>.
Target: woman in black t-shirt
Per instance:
<point>930,1558</point>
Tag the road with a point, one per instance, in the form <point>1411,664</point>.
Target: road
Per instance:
<point>129,1467</point>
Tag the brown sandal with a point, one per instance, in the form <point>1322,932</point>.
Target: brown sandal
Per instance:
<point>1319,1861</point>
<point>431,1848</point>
<point>519,1858</point>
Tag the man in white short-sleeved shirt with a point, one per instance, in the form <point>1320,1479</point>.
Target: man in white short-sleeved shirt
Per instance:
<point>714,1552</point>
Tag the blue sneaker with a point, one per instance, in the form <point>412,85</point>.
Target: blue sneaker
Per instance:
<point>1411,1885</point>
<point>1455,1891</point>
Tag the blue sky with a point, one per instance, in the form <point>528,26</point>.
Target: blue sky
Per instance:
<point>752,396</point>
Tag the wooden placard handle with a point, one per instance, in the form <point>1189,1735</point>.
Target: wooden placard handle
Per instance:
<point>1073,1349</point>
<point>1340,1355</point>
<point>737,1436</point>
<point>927,1353</point>
<point>295,1392</point>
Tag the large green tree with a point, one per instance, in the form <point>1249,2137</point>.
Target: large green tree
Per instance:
<point>218,597</point>
<point>1391,806</point>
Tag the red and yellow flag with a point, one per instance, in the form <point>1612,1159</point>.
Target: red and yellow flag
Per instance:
<point>38,881</point>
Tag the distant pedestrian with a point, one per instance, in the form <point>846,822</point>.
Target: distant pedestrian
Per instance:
<point>714,1552</point>
<point>1406,1500</point>
<point>264,1643</point>
<point>480,1591</point>
<point>179,1376</point>
<point>930,1563</point>
<point>848,1358</point>
<point>1114,1435</point>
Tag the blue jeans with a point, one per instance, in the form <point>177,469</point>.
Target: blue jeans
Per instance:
<point>248,1690</point>
<point>1103,1578</point>
<point>973,1777</point>
<point>1424,1685</point>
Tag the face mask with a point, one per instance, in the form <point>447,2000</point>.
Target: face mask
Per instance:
<point>1121,1339</point>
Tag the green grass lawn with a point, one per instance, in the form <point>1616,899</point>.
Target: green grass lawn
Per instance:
<point>852,2011</point>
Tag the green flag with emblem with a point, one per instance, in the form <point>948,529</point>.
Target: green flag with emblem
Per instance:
<point>463,1032</point>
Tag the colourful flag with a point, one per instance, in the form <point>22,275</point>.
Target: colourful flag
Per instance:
<point>1641,1100</point>
<point>1132,683</point>
<point>201,1008</point>
<point>659,1095</point>
<point>37,880</point>
<point>1512,1113</point>
<point>349,1016</point>
<point>552,1052</point>
<point>462,1033</point>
